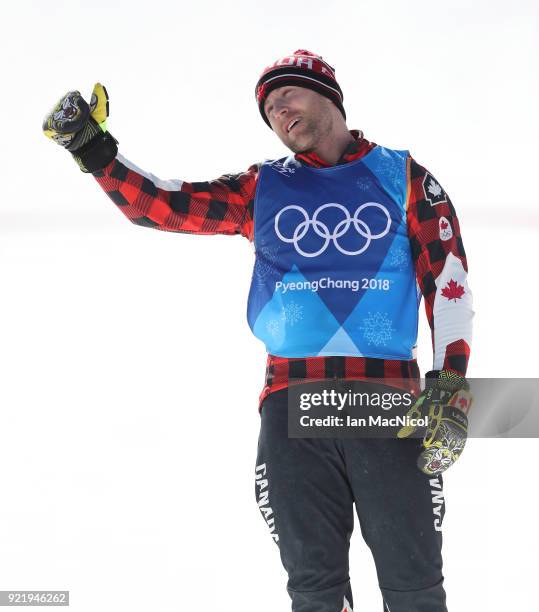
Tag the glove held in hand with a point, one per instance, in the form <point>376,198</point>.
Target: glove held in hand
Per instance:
<point>81,128</point>
<point>445,402</point>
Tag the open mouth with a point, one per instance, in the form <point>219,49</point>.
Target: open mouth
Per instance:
<point>292,124</point>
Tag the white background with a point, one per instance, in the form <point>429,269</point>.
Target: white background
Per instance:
<point>129,377</point>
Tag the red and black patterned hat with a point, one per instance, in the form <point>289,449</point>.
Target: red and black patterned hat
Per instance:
<point>303,69</point>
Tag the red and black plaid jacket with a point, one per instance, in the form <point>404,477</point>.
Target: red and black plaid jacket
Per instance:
<point>225,206</point>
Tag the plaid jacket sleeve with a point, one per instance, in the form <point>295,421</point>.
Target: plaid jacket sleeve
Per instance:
<point>441,268</point>
<point>220,206</point>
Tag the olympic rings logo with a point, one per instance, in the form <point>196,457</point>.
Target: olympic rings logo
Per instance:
<point>322,230</point>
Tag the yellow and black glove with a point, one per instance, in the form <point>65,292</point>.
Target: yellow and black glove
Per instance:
<point>82,128</point>
<point>445,402</point>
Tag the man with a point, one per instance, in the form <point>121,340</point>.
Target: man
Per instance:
<point>347,235</point>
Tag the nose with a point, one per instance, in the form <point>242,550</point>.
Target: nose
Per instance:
<point>279,108</point>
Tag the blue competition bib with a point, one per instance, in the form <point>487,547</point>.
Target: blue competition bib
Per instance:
<point>333,273</point>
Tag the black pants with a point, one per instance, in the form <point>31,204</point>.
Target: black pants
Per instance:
<point>306,489</point>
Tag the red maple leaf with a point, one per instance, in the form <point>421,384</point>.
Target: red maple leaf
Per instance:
<point>463,402</point>
<point>444,225</point>
<point>453,291</point>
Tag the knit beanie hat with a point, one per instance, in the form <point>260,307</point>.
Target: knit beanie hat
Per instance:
<point>302,69</point>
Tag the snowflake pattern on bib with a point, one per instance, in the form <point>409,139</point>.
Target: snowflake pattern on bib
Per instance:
<point>292,313</point>
<point>377,328</point>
